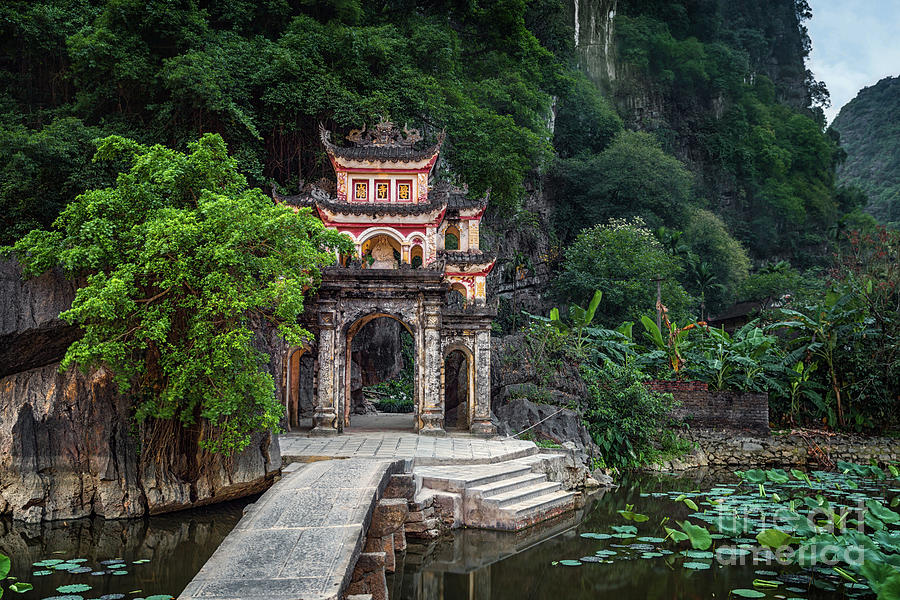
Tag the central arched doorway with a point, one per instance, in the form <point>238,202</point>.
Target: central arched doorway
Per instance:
<point>458,384</point>
<point>380,381</point>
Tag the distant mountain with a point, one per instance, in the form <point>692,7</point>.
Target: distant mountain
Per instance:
<point>870,133</point>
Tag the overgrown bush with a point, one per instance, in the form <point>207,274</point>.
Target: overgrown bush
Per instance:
<point>621,258</point>
<point>631,424</point>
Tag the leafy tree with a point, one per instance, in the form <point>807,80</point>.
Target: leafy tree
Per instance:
<point>632,177</point>
<point>622,259</point>
<point>181,259</point>
<point>41,170</point>
<point>719,262</point>
<point>585,121</point>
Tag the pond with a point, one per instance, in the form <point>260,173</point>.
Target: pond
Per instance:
<point>601,553</point>
<point>147,558</point>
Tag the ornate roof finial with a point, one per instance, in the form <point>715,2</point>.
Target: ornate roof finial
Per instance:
<point>384,134</point>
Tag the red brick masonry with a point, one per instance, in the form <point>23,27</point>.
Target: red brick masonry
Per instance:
<point>701,408</point>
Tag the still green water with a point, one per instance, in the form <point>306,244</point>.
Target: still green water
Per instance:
<point>503,566</point>
<point>174,547</point>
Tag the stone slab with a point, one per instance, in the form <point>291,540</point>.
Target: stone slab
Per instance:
<point>419,450</point>
<point>301,539</point>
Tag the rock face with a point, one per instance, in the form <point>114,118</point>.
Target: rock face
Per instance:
<point>564,426</point>
<point>522,398</point>
<point>31,332</point>
<point>68,446</point>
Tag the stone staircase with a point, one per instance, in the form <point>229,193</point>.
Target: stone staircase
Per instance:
<point>509,495</point>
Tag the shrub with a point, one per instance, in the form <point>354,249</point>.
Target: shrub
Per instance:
<point>621,259</point>
<point>631,424</point>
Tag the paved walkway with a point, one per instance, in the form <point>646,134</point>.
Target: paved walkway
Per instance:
<point>421,450</point>
<point>300,539</point>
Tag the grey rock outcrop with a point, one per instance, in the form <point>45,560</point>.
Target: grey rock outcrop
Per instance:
<point>549,402</point>
<point>564,426</point>
<point>31,332</point>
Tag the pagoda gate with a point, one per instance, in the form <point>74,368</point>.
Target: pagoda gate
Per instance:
<point>417,260</point>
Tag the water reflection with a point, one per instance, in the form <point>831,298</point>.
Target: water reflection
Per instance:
<point>176,546</point>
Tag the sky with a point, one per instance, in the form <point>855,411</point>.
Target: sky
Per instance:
<point>855,43</point>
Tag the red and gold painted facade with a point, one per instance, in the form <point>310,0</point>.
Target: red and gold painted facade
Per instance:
<point>384,190</point>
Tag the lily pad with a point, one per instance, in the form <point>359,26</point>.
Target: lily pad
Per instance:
<point>74,588</point>
<point>696,566</point>
<point>745,593</point>
<point>570,563</point>
<point>47,563</point>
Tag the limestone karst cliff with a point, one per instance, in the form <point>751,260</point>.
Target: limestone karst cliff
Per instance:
<point>68,445</point>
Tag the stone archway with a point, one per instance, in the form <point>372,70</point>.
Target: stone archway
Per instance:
<point>298,386</point>
<point>350,297</point>
<point>352,330</point>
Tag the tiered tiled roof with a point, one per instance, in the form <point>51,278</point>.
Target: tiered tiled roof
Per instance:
<point>318,198</point>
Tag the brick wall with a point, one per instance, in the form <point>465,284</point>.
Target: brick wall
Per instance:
<point>702,408</point>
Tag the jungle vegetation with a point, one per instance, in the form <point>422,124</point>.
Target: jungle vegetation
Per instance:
<point>727,190</point>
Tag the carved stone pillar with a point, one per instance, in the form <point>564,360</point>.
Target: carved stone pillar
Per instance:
<point>432,416</point>
<point>481,424</point>
<point>325,417</point>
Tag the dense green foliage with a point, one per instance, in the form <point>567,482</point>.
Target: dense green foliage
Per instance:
<point>632,177</point>
<point>181,258</point>
<point>729,92</point>
<point>262,75</point>
<point>631,424</point>
<point>621,259</point>
<point>870,134</point>
<point>828,355</point>
<point>718,263</point>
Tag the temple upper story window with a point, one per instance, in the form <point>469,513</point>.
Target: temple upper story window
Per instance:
<point>451,238</point>
<point>404,191</point>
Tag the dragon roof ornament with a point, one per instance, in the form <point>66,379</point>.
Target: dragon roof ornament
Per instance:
<point>384,142</point>
<point>384,134</point>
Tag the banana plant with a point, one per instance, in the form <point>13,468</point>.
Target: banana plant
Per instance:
<point>738,360</point>
<point>672,344</point>
<point>580,319</point>
<point>614,345</point>
<point>820,330</point>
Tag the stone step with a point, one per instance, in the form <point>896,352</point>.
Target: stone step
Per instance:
<point>505,485</point>
<point>524,494</point>
<point>540,508</point>
<point>458,479</point>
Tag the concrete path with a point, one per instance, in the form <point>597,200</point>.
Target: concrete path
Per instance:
<point>421,450</point>
<point>300,539</point>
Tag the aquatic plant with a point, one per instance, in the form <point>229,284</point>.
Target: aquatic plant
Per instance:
<point>831,530</point>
